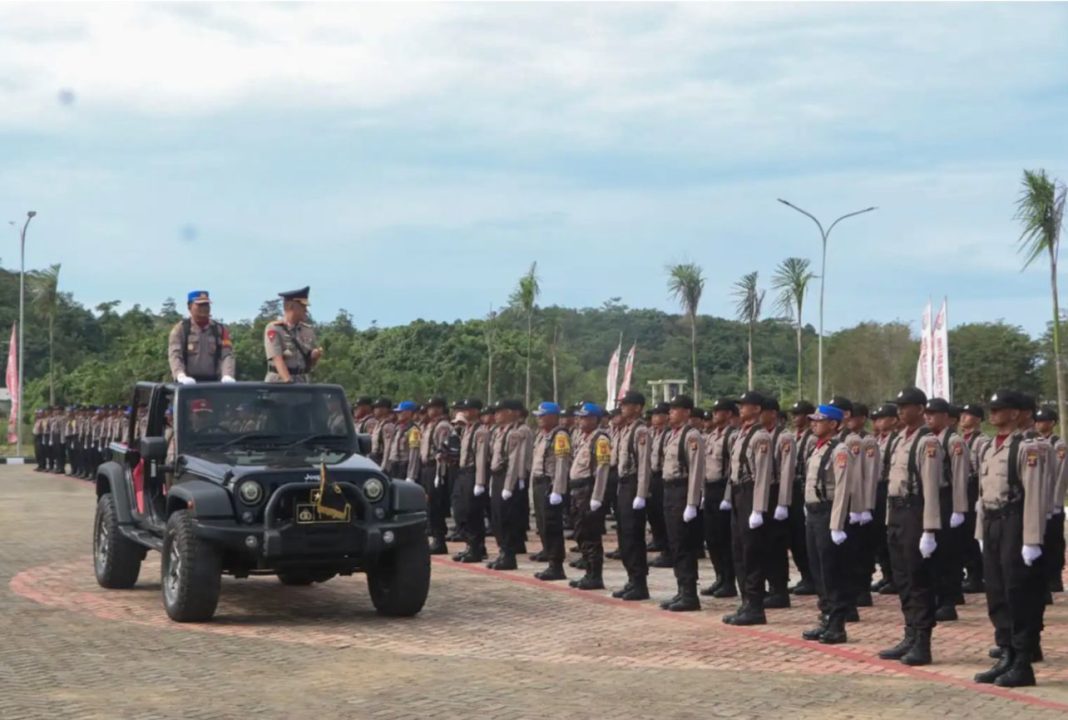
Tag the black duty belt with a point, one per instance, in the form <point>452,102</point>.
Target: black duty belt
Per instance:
<point>721,481</point>
<point>581,483</point>
<point>824,506</point>
<point>669,482</point>
<point>628,478</point>
<point>543,478</point>
<point>903,503</point>
<point>1013,508</point>
<point>292,371</point>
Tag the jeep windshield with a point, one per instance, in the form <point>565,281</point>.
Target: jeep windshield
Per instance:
<point>242,419</point>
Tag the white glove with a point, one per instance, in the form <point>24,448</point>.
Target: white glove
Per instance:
<point>865,517</point>
<point>227,378</point>
<point>838,536</point>
<point>725,505</point>
<point>638,504</point>
<point>956,520</point>
<point>1031,553</point>
<point>781,512</point>
<point>595,505</point>
<point>928,545</point>
<point>437,481</point>
<point>506,494</point>
<point>854,518</point>
<point>980,546</point>
<point>689,513</point>
<point>186,380</point>
<point>480,490</point>
<point>555,498</point>
<point>978,505</point>
<point>756,519</point>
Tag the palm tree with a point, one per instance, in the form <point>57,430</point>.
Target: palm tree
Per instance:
<point>791,280</point>
<point>524,297</point>
<point>1040,208</point>
<point>45,292</point>
<point>750,300</point>
<point>685,284</point>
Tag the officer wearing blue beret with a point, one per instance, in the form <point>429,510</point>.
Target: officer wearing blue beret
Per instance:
<point>199,348</point>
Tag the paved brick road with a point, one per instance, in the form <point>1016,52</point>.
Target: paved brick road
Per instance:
<point>487,645</point>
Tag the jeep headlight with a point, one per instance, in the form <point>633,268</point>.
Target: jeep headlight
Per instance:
<point>373,489</point>
<point>250,492</point>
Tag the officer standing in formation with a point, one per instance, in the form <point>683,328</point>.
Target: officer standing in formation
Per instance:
<point>199,348</point>
<point>428,466</point>
<point>683,468</point>
<point>549,473</point>
<point>632,458</point>
<point>717,521</point>
<point>289,342</point>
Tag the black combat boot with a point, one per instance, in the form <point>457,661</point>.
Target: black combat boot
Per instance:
<point>662,561</point>
<point>901,649</point>
<point>1019,674</point>
<point>618,594</point>
<point>864,599</point>
<point>920,652</point>
<point>638,591</point>
<point>805,587</point>
<point>973,585</point>
<point>778,601</point>
<point>579,564</point>
<point>750,614</point>
<point>678,594</point>
<point>726,590</point>
<point>555,571</point>
<point>889,589</point>
<point>506,561</point>
<point>835,634</point>
<point>688,600</point>
<point>816,632</point>
<point>438,547</point>
<point>539,556</point>
<point>710,591</point>
<point>590,581</point>
<point>946,613</point>
<point>1005,658</point>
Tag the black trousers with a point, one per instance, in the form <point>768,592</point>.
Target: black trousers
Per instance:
<point>880,549</point>
<point>437,493</point>
<point>655,508</point>
<point>1053,552</point>
<point>542,486</point>
<point>778,546</point>
<point>971,555</point>
<point>589,528</point>
<point>798,531</point>
<point>463,492</point>
<point>553,533</point>
<point>398,468</point>
<point>750,546</point>
<point>913,576</point>
<point>475,520</point>
<point>506,516</point>
<point>630,529</point>
<point>611,490</point>
<point>863,539</point>
<point>1015,593</point>
<point>38,452</point>
<point>949,569</point>
<point>830,564</point>
<point>522,493</point>
<point>684,538</point>
<point>717,532</point>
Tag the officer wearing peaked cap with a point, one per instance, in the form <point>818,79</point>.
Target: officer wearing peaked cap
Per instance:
<point>683,467</point>
<point>289,341</point>
<point>716,520</point>
<point>972,416</point>
<point>655,509</point>
<point>1046,420</point>
<point>632,457</point>
<point>427,466</point>
<point>199,348</point>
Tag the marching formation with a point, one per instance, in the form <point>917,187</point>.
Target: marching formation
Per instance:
<point>924,499</point>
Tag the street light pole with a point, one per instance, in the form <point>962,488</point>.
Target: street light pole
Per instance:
<point>22,317</point>
<point>824,234</point>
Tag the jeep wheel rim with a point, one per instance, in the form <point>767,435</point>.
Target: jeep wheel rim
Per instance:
<point>173,578</point>
<point>103,542</point>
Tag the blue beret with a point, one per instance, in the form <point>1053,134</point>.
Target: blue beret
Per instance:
<point>197,296</point>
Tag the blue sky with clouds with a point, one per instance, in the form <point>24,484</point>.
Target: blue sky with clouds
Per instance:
<point>411,161</point>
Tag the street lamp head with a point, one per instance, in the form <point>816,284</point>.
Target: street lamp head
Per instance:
<point>31,213</point>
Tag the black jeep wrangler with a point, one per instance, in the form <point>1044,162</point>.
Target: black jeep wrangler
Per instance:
<point>254,479</point>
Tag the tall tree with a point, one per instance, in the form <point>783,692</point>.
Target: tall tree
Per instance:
<point>750,300</point>
<point>44,289</point>
<point>1040,208</point>
<point>525,297</point>
<point>685,284</point>
<point>791,280</point>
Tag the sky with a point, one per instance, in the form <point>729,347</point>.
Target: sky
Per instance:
<point>411,161</point>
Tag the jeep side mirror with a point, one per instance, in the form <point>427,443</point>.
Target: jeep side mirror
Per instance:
<point>154,449</point>
<point>363,443</point>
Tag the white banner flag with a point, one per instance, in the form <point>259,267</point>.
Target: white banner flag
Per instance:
<point>628,371</point>
<point>923,364</point>
<point>613,378</point>
<point>940,355</point>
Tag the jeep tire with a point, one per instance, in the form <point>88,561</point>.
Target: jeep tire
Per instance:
<point>116,559</point>
<point>401,581</point>
<point>190,572</point>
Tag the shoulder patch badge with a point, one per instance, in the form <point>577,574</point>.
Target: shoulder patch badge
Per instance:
<point>932,450</point>
<point>1032,458</point>
<point>958,449</point>
<point>870,451</point>
<point>762,446</point>
<point>1062,451</point>
<point>414,437</point>
<point>855,449</point>
<point>562,445</point>
<point>841,459</point>
<point>604,451</point>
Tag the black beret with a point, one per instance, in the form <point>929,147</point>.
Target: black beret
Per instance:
<point>661,408</point>
<point>700,414</point>
<point>886,410</point>
<point>1004,400</point>
<point>936,405</point>
<point>972,409</point>
<point>860,410</point>
<point>770,403</point>
<point>436,401</point>
<point>802,407</point>
<point>364,400</point>
<point>911,396</point>
<point>510,404</point>
<point>632,398</point>
<point>1026,402</point>
<point>725,404</point>
<point>751,397</point>
<point>682,401</point>
<point>384,402</point>
<point>842,403</point>
<point>1047,412</point>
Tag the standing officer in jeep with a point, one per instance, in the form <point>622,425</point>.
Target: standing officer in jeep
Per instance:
<point>200,349</point>
<point>289,342</point>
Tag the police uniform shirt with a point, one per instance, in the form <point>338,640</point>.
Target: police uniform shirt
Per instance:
<point>756,467</point>
<point>1060,477</point>
<point>509,446</point>
<point>399,446</point>
<point>197,358</point>
<point>551,458</point>
<point>632,455</point>
<point>656,456</point>
<point>959,469</point>
<point>294,344</point>
<point>786,461</point>
<point>432,438</point>
<point>841,473</point>
<point>854,443</point>
<point>928,455</point>
<point>590,458</point>
<point>871,457</point>
<point>995,491</point>
<point>381,439</point>
<point>482,442</point>
<point>367,425</point>
<point>717,454</point>
<point>977,443</point>
<point>685,439</point>
<point>1047,463</point>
